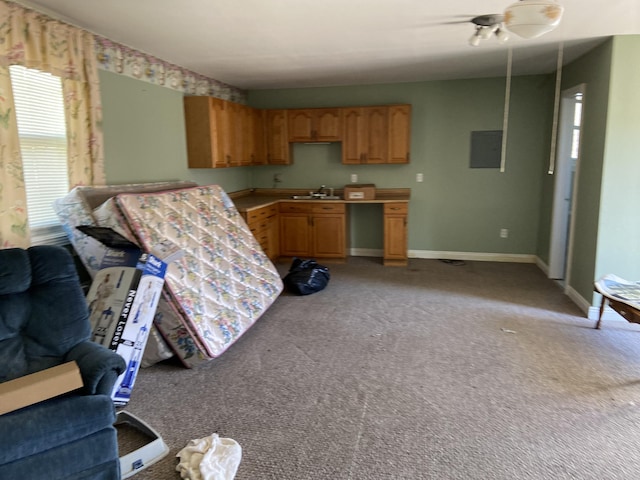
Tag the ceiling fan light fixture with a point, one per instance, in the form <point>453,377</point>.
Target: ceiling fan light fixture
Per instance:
<point>486,32</point>
<point>532,18</point>
<point>474,41</point>
<point>502,35</point>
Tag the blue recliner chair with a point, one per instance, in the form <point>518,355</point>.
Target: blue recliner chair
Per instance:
<point>44,322</point>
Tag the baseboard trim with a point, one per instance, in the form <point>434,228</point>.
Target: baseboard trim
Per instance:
<point>542,266</point>
<point>435,254</point>
<point>578,299</point>
<point>473,256</point>
<point>366,252</point>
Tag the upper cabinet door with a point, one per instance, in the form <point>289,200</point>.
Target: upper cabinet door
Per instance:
<point>365,135</point>
<point>258,134</point>
<point>205,140</point>
<point>354,136</point>
<point>399,133</point>
<point>327,126</point>
<point>278,152</point>
<point>300,125</point>
<point>314,125</point>
<point>377,128</point>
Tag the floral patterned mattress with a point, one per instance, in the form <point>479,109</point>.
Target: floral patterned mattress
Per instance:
<point>222,284</point>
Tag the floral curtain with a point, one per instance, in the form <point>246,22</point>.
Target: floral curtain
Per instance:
<point>36,41</point>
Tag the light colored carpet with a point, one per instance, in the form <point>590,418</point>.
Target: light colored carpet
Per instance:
<point>435,371</point>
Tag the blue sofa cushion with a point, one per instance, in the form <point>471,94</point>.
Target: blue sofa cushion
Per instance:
<point>44,321</point>
<point>43,310</point>
<point>62,420</point>
<point>90,458</point>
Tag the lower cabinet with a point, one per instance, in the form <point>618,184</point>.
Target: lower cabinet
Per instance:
<point>313,229</point>
<point>395,234</point>
<point>263,223</point>
<point>318,229</point>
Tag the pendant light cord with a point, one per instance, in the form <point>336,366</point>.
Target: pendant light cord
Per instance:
<point>505,118</point>
<point>556,108</point>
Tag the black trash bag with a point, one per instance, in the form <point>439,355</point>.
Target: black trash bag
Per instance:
<point>306,277</point>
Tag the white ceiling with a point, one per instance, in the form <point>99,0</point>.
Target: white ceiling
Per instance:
<point>257,44</point>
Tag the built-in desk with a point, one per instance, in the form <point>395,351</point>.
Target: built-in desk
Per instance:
<point>300,229</point>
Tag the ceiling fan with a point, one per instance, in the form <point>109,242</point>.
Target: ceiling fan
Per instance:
<point>525,18</point>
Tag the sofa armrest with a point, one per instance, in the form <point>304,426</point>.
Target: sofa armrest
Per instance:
<point>99,367</point>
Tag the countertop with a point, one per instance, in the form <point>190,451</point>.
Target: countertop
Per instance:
<point>246,200</point>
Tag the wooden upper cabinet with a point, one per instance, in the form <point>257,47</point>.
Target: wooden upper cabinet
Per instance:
<point>376,135</point>
<point>365,135</point>
<point>221,133</point>
<point>399,133</point>
<point>314,125</point>
<point>277,142</point>
<point>353,134</point>
<point>233,133</point>
<point>227,134</point>
<point>377,127</point>
<point>247,136</point>
<point>205,139</point>
<point>258,152</point>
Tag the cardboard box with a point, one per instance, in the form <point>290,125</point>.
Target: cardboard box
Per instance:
<point>360,192</point>
<point>39,386</point>
<point>123,299</point>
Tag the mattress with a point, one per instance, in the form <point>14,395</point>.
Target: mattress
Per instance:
<point>78,208</point>
<point>223,283</point>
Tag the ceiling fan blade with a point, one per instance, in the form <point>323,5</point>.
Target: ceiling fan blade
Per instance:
<point>456,22</point>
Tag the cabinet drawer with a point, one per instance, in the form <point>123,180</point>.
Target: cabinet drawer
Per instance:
<point>396,208</point>
<point>261,213</point>
<point>328,208</point>
<point>257,227</point>
<point>295,207</point>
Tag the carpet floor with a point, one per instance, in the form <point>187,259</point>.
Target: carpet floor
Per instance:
<point>435,371</point>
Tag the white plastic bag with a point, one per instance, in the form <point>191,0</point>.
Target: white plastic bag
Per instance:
<point>210,458</point>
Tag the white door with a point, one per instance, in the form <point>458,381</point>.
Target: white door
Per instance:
<point>567,159</point>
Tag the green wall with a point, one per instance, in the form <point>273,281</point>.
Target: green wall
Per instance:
<point>593,70</point>
<point>618,240</point>
<point>456,208</point>
<point>144,136</point>
<point>607,231</point>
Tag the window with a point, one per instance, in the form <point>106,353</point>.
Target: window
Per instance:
<point>43,143</point>
<point>577,119</point>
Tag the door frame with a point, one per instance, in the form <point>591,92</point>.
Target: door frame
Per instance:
<point>563,219</point>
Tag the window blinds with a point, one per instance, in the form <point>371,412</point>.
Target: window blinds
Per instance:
<point>43,144</point>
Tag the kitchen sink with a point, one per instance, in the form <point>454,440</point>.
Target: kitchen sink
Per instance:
<point>315,197</point>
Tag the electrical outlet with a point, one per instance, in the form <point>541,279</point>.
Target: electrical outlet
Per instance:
<point>504,232</point>
<point>277,178</point>
<point>354,178</point>
<point>419,177</point>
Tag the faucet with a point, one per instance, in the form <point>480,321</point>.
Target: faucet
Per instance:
<point>321,191</point>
